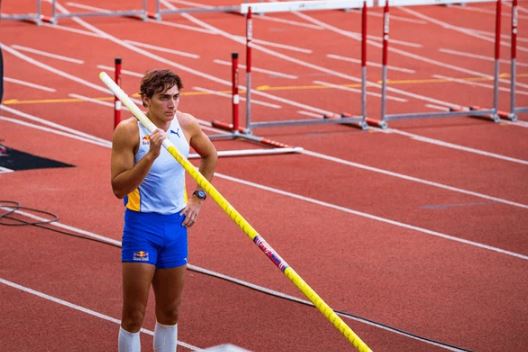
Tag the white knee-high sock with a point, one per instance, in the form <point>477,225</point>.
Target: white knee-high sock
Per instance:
<point>165,338</point>
<point>128,341</point>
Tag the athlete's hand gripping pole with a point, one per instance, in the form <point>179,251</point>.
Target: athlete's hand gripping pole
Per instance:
<point>318,302</point>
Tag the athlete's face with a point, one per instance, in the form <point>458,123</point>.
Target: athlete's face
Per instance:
<point>162,106</point>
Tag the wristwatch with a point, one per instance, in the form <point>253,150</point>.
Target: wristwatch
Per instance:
<point>200,194</point>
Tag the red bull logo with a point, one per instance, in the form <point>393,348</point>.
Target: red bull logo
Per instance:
<point>146,140</point>
<point>141,256</point>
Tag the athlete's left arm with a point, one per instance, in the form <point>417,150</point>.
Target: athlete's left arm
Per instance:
<point>203,146</point>
<point>199,141</point>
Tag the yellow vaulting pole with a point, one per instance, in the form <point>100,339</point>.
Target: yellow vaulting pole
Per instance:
<point>288,271</point>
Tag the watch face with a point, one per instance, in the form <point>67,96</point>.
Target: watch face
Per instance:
<point>200,194</point>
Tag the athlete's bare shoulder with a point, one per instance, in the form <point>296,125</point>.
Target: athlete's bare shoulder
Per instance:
<point>126,133</point>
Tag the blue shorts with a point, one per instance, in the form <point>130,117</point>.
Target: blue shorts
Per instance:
<point>156,239</point>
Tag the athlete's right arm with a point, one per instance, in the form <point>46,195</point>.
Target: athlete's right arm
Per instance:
<point>127,175</point>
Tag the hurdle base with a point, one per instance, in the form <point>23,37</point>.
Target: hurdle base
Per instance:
<point>228,127</point>
<point>507,116</point>
<point>376,123</point>
<point>488,117</point>
<point>246,135</point>
<point>360,123</point>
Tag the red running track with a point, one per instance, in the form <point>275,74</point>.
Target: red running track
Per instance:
<point>421,235</point>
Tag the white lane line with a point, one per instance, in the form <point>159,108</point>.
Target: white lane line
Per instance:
<point>54,70</point>
<point>398,18</point>
<point>342,87</point>
<point>374,217</point>
<point>29,84</point>
<point>476,56</point>
<point>91,100</point>
<point>309,114</point>
<point>436,107</point>
<point>70,29</point>
<point>164,50</point>
<point>87,7</point>
<point>54,131</point>
<point>459,29</point>
<point>199,269</point>
<point>81,309</point>
<point>477,84</point>
<point>377,170</point>
<point>257,69</point>
<point>369,63</point>
<point>457,147</point>
<point>242,39</point>
<point>414,179</point>
<point>489,12</point>
<point>124,72</point>
<point>401,52</point>
<point>179,26</point>
<point>256,92</point>
<point>259,17</point>
<point>47,54</point>
<point>53,124</point>
<point>372,38</point>
<point>99,9</point>
<point>227,95</point>
<point>267,17</point>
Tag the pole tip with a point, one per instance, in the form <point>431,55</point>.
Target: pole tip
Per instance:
<point>118,60</point>
<point>234,55</point>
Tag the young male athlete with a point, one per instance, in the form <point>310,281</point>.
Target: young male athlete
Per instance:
<point>157,213</point>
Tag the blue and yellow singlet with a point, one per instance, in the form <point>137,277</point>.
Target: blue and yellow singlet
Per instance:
<point>163,189</point>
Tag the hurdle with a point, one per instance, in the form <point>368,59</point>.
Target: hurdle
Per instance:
<point>135,13</point>
<point>248,9</point>
<point>472,111</point>
<point>35,17</point>
<point>514,110</point>
<point>277,147</point>
<point>234,131</point>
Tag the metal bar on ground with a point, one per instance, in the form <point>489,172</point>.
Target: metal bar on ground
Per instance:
<point>253,152</point>
<point>245,226</point>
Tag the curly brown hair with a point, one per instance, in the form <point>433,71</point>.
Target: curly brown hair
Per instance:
<point>157,81</point>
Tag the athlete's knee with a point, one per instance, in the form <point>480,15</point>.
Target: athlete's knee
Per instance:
<point>168,314</point>
<point>132,319</point>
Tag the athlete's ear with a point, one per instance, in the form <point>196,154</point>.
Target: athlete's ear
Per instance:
<point>146,101</point>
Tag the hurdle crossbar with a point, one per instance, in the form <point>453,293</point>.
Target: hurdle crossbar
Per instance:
<point>139,13</point>
<point>234,215</point>
<point>159,12</point>
<point>341,118</point>
<point>472,111</point>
